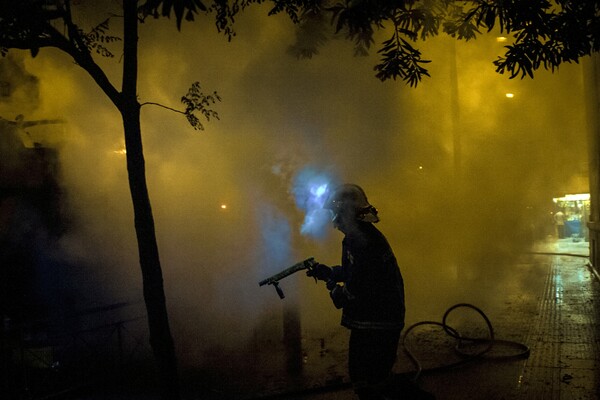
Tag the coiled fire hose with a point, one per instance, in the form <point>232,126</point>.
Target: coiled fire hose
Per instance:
<point>489,342</point>
<point>523,352</point>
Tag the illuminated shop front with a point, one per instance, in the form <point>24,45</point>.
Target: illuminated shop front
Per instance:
<point>576,211</point>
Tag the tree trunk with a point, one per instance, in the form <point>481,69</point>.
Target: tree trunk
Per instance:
<point>161,340</point>
<point>158,321</point>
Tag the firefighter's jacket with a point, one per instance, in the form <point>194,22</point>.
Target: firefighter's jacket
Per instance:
<point>374,287</point>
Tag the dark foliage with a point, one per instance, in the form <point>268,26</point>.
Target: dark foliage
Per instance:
<point>196,100</point>
<point>544,33</point>
<point>96,39</point>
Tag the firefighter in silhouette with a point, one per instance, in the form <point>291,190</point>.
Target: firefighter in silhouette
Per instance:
<point>371,295</point>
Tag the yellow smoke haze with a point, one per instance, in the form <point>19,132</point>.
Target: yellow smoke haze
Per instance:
<point>280,114</point>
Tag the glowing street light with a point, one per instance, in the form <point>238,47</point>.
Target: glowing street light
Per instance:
<point>510,95</point>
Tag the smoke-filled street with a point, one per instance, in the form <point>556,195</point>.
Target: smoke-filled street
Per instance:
<point>464,171</point>
<point>545,343</point>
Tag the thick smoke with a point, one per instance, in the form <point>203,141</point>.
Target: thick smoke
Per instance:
<point>230,202</point>
<point>311,190</point>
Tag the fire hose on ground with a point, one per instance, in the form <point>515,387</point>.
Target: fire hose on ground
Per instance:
<point>522,351</point>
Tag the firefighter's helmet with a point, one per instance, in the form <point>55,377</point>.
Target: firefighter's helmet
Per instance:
<point>351,199</point>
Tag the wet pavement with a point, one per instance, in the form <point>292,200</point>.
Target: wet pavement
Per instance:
<point>556,319</point>
<point>560,326</point>
<point>553,312</point>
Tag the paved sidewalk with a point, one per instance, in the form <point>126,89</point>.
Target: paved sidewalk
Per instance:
<point>557,317</point>
<point>562,334</point>
<point>551,304</point>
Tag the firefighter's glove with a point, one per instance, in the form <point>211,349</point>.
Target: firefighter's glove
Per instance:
<point>331,284</point>
<point>340,296</point>
<point>320,271</point>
